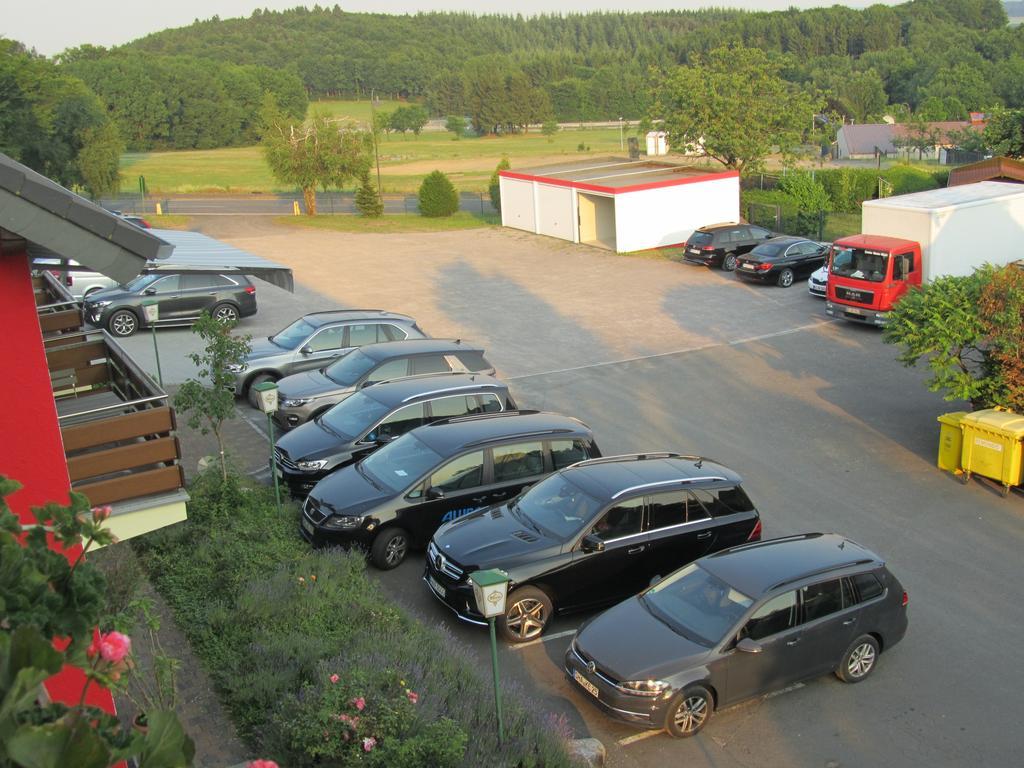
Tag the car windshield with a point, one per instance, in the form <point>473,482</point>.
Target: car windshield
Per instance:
<point>347,370</point>
<point>557,506</point>
<point>399,463</point>
<point>859,263</point>
<point>293,335</point>
<point>354,415</point>
<point>768,250</point>
<point>696,604</point>
<point>140,282</point>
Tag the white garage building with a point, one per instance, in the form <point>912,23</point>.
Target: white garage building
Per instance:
<point>622,205</point>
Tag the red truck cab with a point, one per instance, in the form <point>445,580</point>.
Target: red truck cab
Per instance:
<point>868,274</point>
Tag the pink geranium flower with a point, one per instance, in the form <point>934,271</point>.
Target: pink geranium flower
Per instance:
<point>112,646</point>
<point>369,743</point>
<point>262,764</point>
<point>359,703</point>
<point>412,695</point>
<point>334,678</point>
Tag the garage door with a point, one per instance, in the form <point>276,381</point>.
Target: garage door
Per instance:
<point>517,204</point>
<point>554,211</point>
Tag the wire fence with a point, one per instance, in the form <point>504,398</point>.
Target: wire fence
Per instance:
<point>818,225</point>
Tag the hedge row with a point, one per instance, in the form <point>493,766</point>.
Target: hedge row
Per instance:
<point>847,188</point>
<point>316,664</point>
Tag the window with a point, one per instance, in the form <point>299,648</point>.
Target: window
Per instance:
<point>361,335</point>
<point>167,284</point>
<point>724,501</point>
<point>867,586</point>
<point>199,282</point>
<point>390,333</point>
<point>736,236</point>
<point>513,462</point>
<point>566,452</point>
<point>668,509</point>
<point>820,600</point>
<point>458,405</point>
<point>392,369</point>
<point>461,473</point>
<point>487,404</point>
<point>327,339</point>
<point>473,360</point>
<point>902,265</point>
<point>430,364</point>
<point>401,421</point>
<point>621,520</point>
<point>759,233</point>
<point>776,615</point>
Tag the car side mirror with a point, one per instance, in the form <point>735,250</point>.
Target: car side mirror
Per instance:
<point>435,493</point>
<point>592,543</point>
<point>749,646</point>
<point>306,350</point>
<point>149,292</point>
<point>383,440</point>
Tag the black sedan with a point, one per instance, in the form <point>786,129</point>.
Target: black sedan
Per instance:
<point>590,535</point>
<point>782,260</point>
<point>738,624</point>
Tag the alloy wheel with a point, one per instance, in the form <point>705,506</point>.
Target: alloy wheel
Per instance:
<point>691,714</point>
<point>394,552</point>
<point>123,324</point>
<point>861,660</point>
<point>526,618</point>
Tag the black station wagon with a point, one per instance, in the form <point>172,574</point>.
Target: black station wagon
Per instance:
<point>590,535</point>
<point>738,624</point>
<point>720,245</point>
<point>396,498</point>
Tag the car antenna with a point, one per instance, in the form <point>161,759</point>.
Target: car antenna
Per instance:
<point>699,463</point>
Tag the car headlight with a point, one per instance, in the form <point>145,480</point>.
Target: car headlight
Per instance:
<point>294,402</point>
<point>342,522</point>
<point>100,304</point>
<point>643,687</point>
<point>311,466</point>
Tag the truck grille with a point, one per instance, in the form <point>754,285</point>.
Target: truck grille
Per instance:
<point>853,294</point>
<point>442,563</point>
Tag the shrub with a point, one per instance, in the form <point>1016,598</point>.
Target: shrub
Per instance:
<point>494,186</point>
<point>368,202</point>
<point>438,196</point>
<point>811,200</point>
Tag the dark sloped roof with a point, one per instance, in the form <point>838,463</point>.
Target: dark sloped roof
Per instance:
<point>45,213</point>
<point>862,139</point>
<point>197,252</point>
<point>993,169</point>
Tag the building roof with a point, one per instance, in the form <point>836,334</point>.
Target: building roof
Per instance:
<point>197,252</point>
<point>864,138</point>
<point>46,214</point>
<point>947,197</point>
<point>993,169</point>
<point>944,130</point>
<point>616,175</point>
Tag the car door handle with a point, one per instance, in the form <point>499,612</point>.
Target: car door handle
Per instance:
<point>794,641</point>
<point>479,499</point>
<point>848,622</point>
<point>705,535</point>
<point>634,550</point>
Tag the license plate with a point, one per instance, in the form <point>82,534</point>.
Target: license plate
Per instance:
<point>694,251</point>
<point>307,526</point>
<point>435,585</point>
<point>588,686</point>
<point>853,311</point>
<point>748,266</point>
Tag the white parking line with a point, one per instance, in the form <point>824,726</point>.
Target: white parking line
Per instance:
<point>637,737</point>
<point>544,639</point>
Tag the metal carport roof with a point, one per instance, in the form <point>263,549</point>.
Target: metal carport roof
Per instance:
<point>196,252</point>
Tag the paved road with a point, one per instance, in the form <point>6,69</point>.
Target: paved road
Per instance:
<point>829,431</point>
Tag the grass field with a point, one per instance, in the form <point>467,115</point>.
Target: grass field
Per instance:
<point>404,160</point>
<point>400,222</point>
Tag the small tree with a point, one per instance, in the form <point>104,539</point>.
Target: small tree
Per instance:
<point>549,129</point>
<point>456,124</point>
<point>210,401</point>
<point>811,199</point>
<point>368,202</point>
<point>416,118</point>
<point>494,187</point>
<point>438,196</point>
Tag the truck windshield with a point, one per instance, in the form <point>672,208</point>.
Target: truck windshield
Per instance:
<point>859,264</point>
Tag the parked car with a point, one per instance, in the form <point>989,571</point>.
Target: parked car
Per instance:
<point>316,339</point>
<point>396,498</point>
<point>80,281</point>
<point>719,245</point>
<point>303,396</point>
<point>360,424</point>
<point>590,535</point>
<point>781,260</point>
<point>817,283</point>
<point>181,298</point>
<point>131,218</point>
<point>738,624</point>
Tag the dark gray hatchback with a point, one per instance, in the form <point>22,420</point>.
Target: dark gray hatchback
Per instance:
<point>737,624</point>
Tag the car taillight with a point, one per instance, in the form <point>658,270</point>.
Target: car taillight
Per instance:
<point>707,248</point>
<point>755,535</point>
<point>906,598</point>
<point>764,267</point>
<point>251,290</point>
<point>144,223</point>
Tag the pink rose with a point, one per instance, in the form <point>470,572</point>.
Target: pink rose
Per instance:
<point>114,647</point>
<point>412,696</point>
<point>262,764</point>
<point>369,743</point>
<point>334,678</point>
<point>359,703</point>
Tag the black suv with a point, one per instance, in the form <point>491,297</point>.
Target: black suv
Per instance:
<point>314,340</point>
<point>590,535</point>
<point>371,417</point>
<point>719,245</point>
<point>181,298</point>
<point>303,396</point>
<point>738,624</point>
<point>398,496</point>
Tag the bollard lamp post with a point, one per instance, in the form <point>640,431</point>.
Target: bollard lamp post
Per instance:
<point>266,394</point>
<point>490,588</point>
<point>152,309</point>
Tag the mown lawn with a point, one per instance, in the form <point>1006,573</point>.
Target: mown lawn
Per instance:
<point>391,223</point>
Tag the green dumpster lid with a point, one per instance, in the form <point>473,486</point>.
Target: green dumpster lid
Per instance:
<point>953,418</point>
<point>1006,423</point>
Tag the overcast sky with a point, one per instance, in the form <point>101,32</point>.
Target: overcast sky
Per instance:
<point>52,26</point>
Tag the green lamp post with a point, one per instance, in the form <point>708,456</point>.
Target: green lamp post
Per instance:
<point>151,307</point>
<point>266,394</point>
<point>490,588</point>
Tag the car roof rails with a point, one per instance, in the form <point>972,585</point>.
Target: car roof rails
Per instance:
<point>822,571</point>
<point>481,417</point>
<point>662,483</point>
<point>621,457</point>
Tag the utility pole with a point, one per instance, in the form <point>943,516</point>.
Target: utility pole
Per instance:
<point>376,155</point>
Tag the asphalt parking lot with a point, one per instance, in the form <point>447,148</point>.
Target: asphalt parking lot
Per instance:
<point>827,429</point>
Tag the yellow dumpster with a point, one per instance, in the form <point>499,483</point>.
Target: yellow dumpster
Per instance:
<point>950,440</point>
<point>992,446</point>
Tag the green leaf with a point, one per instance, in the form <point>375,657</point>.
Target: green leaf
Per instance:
<point>58,745</point>
<point>166,744</point>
